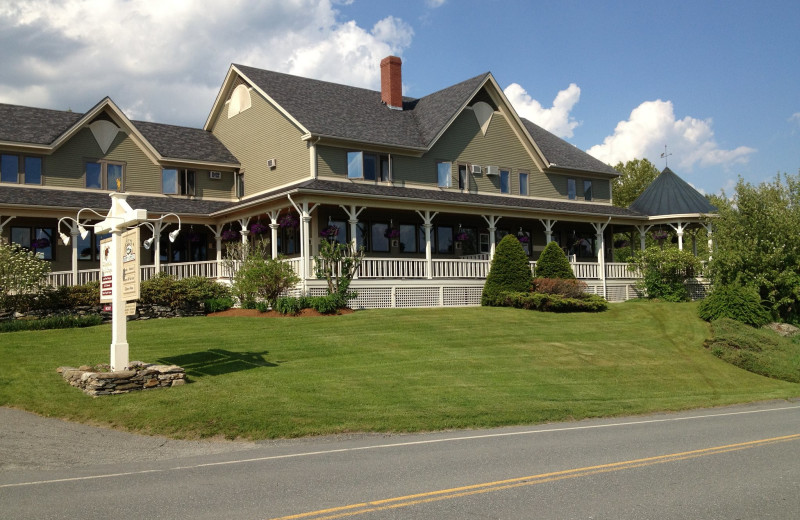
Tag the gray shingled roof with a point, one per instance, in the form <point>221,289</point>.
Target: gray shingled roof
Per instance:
<point>180,142</point>
<point>100,201</point>
<point>357,114</point>
<point>562,154</point>
<point>453,197</point>
<point>668,194</point>
<point>34,125</point>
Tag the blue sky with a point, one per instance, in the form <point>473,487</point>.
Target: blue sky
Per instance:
<point>717,82</point>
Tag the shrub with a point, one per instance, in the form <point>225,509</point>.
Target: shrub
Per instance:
<point>218,304</point>
<point>553,263</point>
<point>549,302</point>
<point>510,270</point>
<point>287,305</point>
<point>53,322</point>
<point>260,278</point>
<point>664,272</point>
<point>568,288</point>
<point>164,289</point>
<point>85,295</point>
<point>738,303</point>
<point>21,273</point>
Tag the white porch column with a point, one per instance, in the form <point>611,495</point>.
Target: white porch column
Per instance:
<point>710,240</point>
<point>217,231</point>
<point>352,219</point>
<point>679,227</point>
<point>599,228</point>
<point>305,245</point>
<point>158,227</point>
<point>643,229</point>
<point>492,221</point>
<point>427,225</point>
<point>243,222</point>
<point>548,229</point>
<point>273,231</point>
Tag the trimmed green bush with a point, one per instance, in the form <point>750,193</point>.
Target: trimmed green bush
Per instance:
<point>288,305</point>
<point>553,263</point>
<point>53,322</point>
<point>218,304</point>
<point>742,304</point>
<point>164,289</point>
<point>563,287</point>
<point>510,270</point>
<point>549,302</point>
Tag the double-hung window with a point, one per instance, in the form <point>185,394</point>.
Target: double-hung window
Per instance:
<point>11,166</point>
<point>505,181</point>
<point>463,179</point>
<point>368,166</point>
<point>38,240</point>
<point>523,184</point>
<point>571,191</point>
<point>177,182</point>
<point>443,173</point>
<point>103,175</point>
<point>587,190</point>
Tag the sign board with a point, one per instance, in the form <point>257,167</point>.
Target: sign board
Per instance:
<point>130,309</point>
<point>129,256</point>
<point>106,270</point>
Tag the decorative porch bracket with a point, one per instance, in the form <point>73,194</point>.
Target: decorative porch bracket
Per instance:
<point>305,244</point>
<point>427,225</point>
<point>273,230</point>
<point>548,229</point>
<point>243,222</point>
<point>217,230</point>
<point>4,222</point>
<point>643,229</point>
<point>352,219</point>
<point>599,228</point>
<point>492,221</point>
<point>679,228</point>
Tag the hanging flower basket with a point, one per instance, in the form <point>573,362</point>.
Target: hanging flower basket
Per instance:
<point>194,236</point>
<point>40,243</point>
<point>329,233</point>
<point>290,220</point>
<point>622,243</point>
<point>230,235</point>
<point>660,235</point>
<point>524,239</point>
<point>462,236</point>
<point>258,228</point>
<point>392,233</point>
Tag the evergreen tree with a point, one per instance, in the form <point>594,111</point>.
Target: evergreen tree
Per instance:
<point>510,270</point>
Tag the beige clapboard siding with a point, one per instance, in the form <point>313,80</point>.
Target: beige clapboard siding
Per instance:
<point>65,167</point>
<point>261,133</point>
<point>214,188</point>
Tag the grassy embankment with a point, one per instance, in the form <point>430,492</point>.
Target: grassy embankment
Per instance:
<point>388,370</point>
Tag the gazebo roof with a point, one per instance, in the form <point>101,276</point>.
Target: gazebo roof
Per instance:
<point>668,194</point>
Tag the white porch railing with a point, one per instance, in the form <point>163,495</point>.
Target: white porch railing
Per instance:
<point>370,268</point>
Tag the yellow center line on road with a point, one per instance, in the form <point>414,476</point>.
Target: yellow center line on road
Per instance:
<point>499,485</point>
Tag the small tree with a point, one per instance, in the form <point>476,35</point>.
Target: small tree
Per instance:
<point>553,263</point>
<point>258,275</point>
<point>337,264</point>
<point>664,272</point>
<point>21,273</point>
<point>510,270</point>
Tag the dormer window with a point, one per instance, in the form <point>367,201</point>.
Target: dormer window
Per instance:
<point>369,166</point>
<point>177,182</point>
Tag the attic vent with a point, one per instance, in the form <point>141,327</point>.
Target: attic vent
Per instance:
<point>240,101</point>
<point>492,170</point>
<point>476,169</point>
<point>215,175</point>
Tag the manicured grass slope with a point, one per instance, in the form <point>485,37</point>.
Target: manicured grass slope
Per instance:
<point>389,370</point>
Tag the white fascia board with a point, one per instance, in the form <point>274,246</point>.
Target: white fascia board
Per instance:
<point>219,101</point>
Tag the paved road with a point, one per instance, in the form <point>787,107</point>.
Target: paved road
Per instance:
<point>733,462</point>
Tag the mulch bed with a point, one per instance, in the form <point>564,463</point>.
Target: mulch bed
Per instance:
<point>255,313</point>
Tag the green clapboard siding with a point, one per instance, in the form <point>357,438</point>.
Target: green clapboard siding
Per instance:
<point>260,133</point>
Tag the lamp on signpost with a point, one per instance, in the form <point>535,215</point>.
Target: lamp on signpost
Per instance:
<point>119,265</point>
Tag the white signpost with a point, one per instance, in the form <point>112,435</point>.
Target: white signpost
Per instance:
<point>119,268</point>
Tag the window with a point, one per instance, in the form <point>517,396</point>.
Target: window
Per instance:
<point>444,239</point>
<point>85,249</point>
<point>587,190</point>
<point>239,185</point>
<point>102,175</point>
<point>523,183</point>
<point>408,238</point>
<point>484,242</point>
<point>341,225</point>
<point>463,180</point>
<point>177,182</point>
<point>368,166</point>
<point>443,170</point>
<point>505,181</point>
<point>571,189</point>
<point>378,236</point>
<point>38,240</point>
<point>10,169</point>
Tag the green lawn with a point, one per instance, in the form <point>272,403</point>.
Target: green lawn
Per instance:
<point>388,370</point>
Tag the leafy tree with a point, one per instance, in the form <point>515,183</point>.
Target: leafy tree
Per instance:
<point>738,303</point>
<point>21,273</point>
<point>637,175</point>
<point>665,271</point>
<point>337,264</point>
<point>757,243</point>
<point>553,263</point>
<point>510,270</point>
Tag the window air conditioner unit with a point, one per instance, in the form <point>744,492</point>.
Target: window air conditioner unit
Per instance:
<point>492,170</point>
<point>215,175</point>
<point>476,169</point>
<point>272,163</point>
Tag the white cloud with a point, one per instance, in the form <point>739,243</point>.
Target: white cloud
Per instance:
<point>555,119</point>
<point>652,125</point>
<point>433,4</point>
<point>795,118</point>
<point>167,59</point>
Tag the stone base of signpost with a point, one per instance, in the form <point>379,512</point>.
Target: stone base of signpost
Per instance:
<point>140,376</point>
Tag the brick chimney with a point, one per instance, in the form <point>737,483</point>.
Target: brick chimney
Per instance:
<point>392,82</point>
